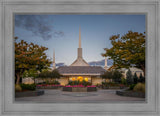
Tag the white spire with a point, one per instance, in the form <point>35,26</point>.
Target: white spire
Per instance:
<point>54,64</point>
<point>105,67</point>
<point>79,61</point>
<point>79,37</point>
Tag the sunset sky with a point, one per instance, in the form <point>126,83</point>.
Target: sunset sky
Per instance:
<point>61,32</point>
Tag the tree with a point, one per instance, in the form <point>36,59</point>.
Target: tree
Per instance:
<point>117,76</point>
<point>129,77</point>
<point>141,78</point>
<point>127,50</point>
<point>29,56</point>
<point>135,78</point>
<point>107,75</point>
<point>55,74</point>
<point>30,73</point>
<point>44,74</point>
<point>123,81</point>
<point>49,74</point>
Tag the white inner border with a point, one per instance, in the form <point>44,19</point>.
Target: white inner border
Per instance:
<point>9,7</point>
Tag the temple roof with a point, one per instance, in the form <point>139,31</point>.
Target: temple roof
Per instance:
<point>81,70</point>
<point>79,62</point>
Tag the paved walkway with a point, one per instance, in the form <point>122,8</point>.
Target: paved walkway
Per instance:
<point>58,96</point>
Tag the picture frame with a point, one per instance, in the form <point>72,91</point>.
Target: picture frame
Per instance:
<point>10,7</point>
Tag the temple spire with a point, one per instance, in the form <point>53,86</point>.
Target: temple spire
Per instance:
<point>54,64</point>
<point>79,61</point>
<point>79,37</point>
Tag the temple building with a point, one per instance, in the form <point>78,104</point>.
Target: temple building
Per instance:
<point>80,68</point>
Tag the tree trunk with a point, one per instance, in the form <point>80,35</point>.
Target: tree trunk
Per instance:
<point>18,78</point>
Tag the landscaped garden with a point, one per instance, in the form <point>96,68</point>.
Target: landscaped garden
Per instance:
<point>113,80</point>
<point>136,86</point>
<point>26,90</point>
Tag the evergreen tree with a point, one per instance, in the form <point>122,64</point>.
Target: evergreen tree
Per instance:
<point>135,78</point>
<point>129,77</point>
<point>141,78</point>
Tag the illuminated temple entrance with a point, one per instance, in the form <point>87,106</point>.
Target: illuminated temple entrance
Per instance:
<point>76,78</point>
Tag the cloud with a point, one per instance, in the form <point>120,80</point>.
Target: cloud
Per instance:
<point>39,25</point>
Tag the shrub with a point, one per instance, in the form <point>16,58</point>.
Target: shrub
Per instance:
<point>70,83</point>
<point>110,84</point>
<point>123,81</point>
<point>132,86</point>
<point>140,87</point>
<point>28,86</point>
<point>47,82</point>
<point>98,85</point>
<point>18,88</point>
<point>121,86</point>
<point>56,82</point>
<point>84,83</point>
<point>113,84</point>
<point>103,83</point>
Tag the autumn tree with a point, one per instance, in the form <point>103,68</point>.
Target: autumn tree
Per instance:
<point>29,56</point>
<point>127,50</point>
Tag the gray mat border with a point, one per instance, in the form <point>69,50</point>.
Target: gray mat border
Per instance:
<point>6,3</point>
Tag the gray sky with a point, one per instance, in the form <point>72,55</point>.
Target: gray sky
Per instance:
<point>61,32</point>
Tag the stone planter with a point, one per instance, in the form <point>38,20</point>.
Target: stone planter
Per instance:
<point>29,93</point>
<point>79,89</point>
<point>67,89</point>
<point>131,94</point>
<point>89,89</point>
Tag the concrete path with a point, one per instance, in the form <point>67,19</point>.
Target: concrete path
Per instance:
<point>101,96</point>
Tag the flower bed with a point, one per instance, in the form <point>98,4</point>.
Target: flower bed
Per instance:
<point>113,86</point>
<point>79,88</point>
<point>45,86</point>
